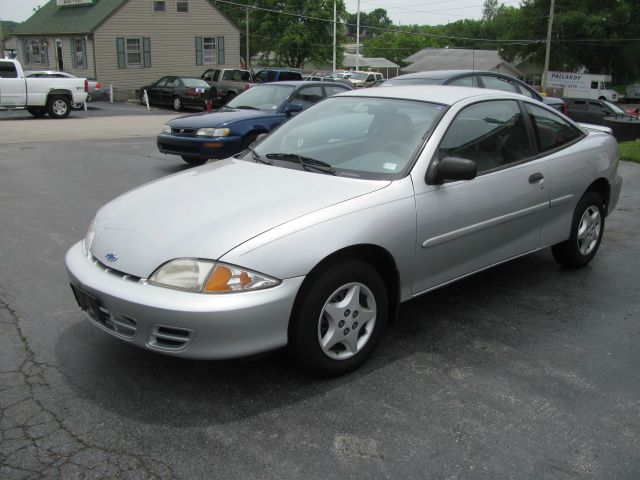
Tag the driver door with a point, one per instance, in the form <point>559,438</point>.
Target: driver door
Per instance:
<point>465,226</point>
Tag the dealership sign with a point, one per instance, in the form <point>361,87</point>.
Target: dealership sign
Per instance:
<point>68,3</point>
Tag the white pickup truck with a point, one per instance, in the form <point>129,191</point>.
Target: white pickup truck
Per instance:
<point>39,95</point>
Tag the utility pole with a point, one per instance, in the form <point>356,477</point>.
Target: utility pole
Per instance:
<point>358,38</point>
<point>2,40</point>
<point>334,36</point>
<point>247,62</point>
<point>548,50</point>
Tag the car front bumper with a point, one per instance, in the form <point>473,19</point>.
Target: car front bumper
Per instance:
<point>183,324</point>
<point>199,147</point>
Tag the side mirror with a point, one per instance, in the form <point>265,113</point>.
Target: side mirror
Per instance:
<point>451,168</point>
<point>290,108</point>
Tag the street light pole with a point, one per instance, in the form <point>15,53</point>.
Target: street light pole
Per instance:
<point>358,38</point>
<point>334,36</point>
<point>547,53</point>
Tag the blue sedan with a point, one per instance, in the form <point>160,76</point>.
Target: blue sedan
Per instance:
<point>198,138</point>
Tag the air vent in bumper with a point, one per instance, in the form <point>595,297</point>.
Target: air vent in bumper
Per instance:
<point>170,338</point>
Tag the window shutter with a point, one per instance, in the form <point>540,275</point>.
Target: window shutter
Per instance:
<point>146,52</point>
<point>84,53</point>
<point>220,47</point>
<point>120,48</point>
<point>199,48</point>
<point>73,54</point>
<point>25,48</point>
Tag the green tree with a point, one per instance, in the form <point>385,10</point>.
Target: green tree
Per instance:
<point>489,10</point>
<point>294,39</point>
<point>377,18</point>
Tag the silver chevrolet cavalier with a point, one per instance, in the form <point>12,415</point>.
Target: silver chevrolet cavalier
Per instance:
<point>312,237</point>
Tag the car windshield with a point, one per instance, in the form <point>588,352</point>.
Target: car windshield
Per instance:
<point>194,82</point>
<point>262,97</point>
<point>359,137</point>
<point>412,81</point>
<point>614,107</point>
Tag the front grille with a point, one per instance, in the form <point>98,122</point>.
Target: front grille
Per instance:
<point>185,132</point>
<point>170,338</point>
<point>119,324</point>
<point>117,273</point>
<point>179,149</point>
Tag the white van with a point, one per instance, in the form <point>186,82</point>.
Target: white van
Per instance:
<point>583,85</point>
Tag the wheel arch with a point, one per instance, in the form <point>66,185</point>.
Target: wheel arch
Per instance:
<point>376,256</point>
<point>60,92</point>
<point>601,186</point>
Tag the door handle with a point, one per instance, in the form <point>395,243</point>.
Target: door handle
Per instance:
<point>536,178</point>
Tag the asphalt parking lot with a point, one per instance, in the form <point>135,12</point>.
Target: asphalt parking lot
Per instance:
<point>523,371</point>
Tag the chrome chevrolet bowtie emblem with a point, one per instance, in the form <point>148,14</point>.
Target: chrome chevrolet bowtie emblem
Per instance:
<point>182,130</point>
<point>111,257</point>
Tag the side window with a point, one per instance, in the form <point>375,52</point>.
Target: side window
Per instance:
<point>261,77</point>
<point>468,81</point>
<point>244,76</point>
<point>527,92</point>
<point>8,70</point>
<point>307,96</point>
<point>578,105</point>
<point>162,82</point>
<point>228,75</point>
<point>173,82</point>
<point>598,107</point>
<point>285,76</point>
<point>498,83</point>
<point>492,134</point>
<point>334,90</point>
<point>594,85</point>
<point>551,130</point>
<point>272,76</point>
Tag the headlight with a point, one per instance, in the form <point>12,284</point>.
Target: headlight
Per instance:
<point>166,129</point>
<point>88,239</point>
<point>207,276</point>
<point>213,132</point>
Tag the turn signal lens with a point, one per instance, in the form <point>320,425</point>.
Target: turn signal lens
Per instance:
<point>229,278</point>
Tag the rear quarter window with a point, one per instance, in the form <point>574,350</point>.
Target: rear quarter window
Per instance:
<point>551,130</point>
<point>8,70</point>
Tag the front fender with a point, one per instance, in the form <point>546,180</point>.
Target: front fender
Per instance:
<point>385,218</point>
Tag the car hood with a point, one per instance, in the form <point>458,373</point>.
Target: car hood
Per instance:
<point>220,118</point>
<point>206,211</point>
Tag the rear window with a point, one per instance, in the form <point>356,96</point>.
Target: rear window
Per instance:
<point>194,82</point>
<point>8,70</point>
<point>284,76</point>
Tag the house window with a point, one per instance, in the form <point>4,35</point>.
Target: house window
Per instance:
<point>134,52</point>
<point>35,51</point>
<point>182,6</point>
<point>209,49</point>
<point>159,5</point>
<point>79,53</point>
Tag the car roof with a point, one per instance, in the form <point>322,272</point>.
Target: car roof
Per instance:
<point>441,94</point>
<point>306,83</point>
<point>444,74</point>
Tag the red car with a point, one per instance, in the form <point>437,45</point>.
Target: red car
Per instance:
<point>635,111</point>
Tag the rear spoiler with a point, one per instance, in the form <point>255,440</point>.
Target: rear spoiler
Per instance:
<point>596,128</point>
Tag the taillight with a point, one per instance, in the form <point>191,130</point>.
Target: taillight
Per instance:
<point>98,86</point>
<point>191,92</point>
<point>86,85</point>
<point>247,86</point>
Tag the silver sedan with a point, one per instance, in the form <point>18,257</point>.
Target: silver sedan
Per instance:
<point>313,237</point>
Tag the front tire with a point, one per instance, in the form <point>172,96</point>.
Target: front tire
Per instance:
<point>58,107</point>
<point>587,227</point>
<point>338,318</point>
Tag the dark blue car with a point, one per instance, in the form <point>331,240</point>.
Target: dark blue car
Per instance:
<point>225,132</point>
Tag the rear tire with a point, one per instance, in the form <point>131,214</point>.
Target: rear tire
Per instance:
<point>587,227</point>
<point>58,107</point>
<point>339,316</point>
<point>37,111</point>
<point>177,104</point>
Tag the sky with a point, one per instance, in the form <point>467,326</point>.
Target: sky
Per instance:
<point>402,12</point>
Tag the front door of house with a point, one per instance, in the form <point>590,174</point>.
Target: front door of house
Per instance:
<point>59,57</point>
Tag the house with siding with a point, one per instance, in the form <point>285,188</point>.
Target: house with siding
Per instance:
<point>127,43</point>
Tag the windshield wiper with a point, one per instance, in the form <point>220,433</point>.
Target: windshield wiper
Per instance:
<point>306,162</point>
<point>246,107</point>
<point>257,158</point>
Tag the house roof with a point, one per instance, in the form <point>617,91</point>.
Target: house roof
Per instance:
<point>51,19</point>
<point>456,59</point>
<point>350,61</point>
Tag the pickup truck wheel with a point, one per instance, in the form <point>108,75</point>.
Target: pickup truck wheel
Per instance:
<point>37,111</point>
<point>177,104</point>
<point>58,107</point>
<point>192,161</point>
